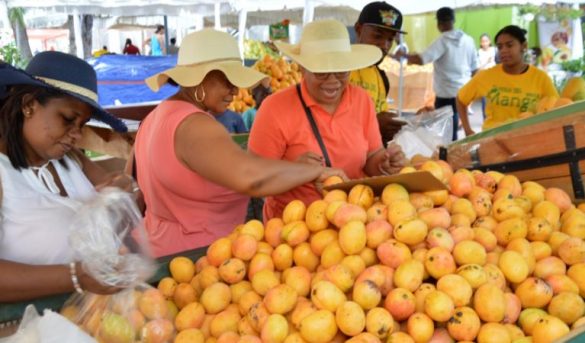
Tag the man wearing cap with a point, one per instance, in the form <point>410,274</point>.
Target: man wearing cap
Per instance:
<point>454,60</point>
<point>377,25</point>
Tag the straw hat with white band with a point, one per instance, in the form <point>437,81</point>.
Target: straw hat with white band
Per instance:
<point>64,72</point>
<point>325,48</point>
<point>203,51</point>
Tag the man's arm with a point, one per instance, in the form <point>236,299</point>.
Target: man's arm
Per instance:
<point>414,59</point>
<point>411,58</point>
<point>431,54</point>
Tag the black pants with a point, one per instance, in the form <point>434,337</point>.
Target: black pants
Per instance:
<point>441,102</point>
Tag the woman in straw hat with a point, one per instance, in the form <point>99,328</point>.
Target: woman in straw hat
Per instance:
<point>196,181</point>
<point>44,178</point>
<point>324,120</point>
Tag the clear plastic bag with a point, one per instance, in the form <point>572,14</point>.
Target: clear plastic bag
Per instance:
<point>136,314</point>
<point>110,242</point>
<point>425,132</point>
<point>108,238</point>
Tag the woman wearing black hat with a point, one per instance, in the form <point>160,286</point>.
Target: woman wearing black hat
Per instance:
<point>43,177</point>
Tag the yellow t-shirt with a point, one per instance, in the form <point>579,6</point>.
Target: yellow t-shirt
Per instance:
<point>370,79</point>
<point>99,53</point>
<point>507,95</point>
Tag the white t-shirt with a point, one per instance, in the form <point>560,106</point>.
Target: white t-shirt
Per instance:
<point>35,222</point>
<point>486,58</point>
<point>454,59</point>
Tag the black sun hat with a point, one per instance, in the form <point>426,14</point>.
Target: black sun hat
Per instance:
<point>381,14</point>
<point>64,72</point>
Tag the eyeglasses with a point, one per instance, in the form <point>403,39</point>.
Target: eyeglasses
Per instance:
<point>325,76</point>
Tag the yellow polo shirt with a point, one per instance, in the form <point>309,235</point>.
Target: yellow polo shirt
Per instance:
<point>507,95</point>
<point>370,79</point>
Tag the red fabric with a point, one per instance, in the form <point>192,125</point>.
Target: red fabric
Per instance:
<point>131,50</point>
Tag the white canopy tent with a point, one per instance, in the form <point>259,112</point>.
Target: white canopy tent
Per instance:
<point>246,11</point>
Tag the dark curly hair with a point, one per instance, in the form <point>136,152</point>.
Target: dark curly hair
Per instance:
<point>518,33</point>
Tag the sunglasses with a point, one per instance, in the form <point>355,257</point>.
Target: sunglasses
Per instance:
<point>325,76</point>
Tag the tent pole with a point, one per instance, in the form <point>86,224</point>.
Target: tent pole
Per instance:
<point>577,36</point>
<point>401,80</point>
<point>166,24</point>
<point>77,29</point>
<point>4,14</point>
<point>242,18</point>
<point>308,12</point>
<point>217,15</point>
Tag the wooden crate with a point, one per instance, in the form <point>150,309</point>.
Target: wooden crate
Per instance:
<point>548,148</point>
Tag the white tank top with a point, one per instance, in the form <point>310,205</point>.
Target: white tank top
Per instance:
<point>35,222</point>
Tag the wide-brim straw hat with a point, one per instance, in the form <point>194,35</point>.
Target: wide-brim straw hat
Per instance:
<point>65,73</point>
<point>204,51</point>
<point>325,48</point>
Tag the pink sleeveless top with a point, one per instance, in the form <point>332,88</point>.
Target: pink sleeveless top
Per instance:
<point>183,209</point>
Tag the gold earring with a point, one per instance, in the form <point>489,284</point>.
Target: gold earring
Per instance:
<point>27,113</point>
<point>202,97</point>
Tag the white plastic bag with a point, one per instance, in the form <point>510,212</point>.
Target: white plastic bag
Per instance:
<point>49,328</point>
<point>425,132</point>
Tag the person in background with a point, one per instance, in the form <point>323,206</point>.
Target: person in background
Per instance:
<point>454,62</point>
<point>486,57</point>
<point>173,48</point>
<point>259,93</point>
<point>232,121</point>
<point>157,42</point>
<point>377,25</point>
<point>324,120</point>
<point>101,52</point>
<point>195,179</point>
<point>44,178</point>
<point>510,88</point>
<point>130,49</point>
<point>486,54</point>
<point>535,54</point>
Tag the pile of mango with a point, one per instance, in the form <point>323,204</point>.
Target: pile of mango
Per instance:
<point>242,102</point>
<point>491,259</point>
<point>283,73</point>
<point>573,91</point>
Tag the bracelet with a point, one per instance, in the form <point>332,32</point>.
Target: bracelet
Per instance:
<point>74,278</point>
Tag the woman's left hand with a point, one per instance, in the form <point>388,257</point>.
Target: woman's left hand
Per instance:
<point>394,160</point>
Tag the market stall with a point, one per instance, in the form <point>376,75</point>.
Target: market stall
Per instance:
<point>489,244</point>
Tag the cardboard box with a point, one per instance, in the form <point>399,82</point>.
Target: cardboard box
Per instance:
<point>420,181</point>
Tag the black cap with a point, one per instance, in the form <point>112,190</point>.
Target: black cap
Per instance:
<point>381,14</point>
<point>445,14</point>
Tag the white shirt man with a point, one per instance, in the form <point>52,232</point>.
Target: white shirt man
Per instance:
<point>454,59</point>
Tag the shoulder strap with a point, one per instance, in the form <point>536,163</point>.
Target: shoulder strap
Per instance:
<point>314,127</point>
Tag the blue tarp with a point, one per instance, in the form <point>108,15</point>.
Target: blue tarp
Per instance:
<point>121,78</point>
